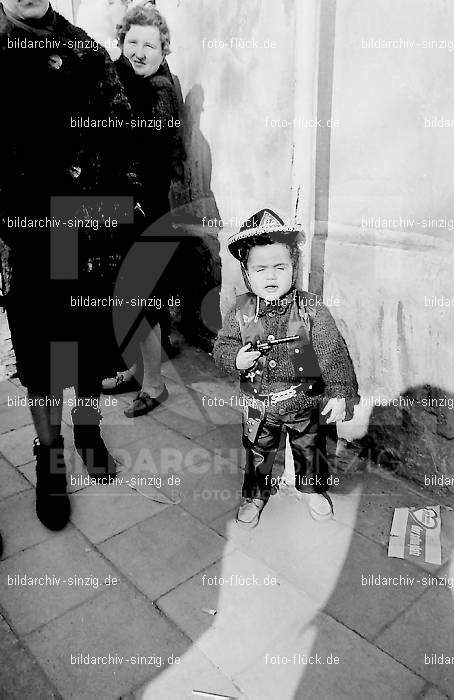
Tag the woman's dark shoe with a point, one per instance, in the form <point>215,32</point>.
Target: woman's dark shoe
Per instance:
<point>52,502</point>
<point>89,444</point>
<point>119,384</point>
<point>143,403</point>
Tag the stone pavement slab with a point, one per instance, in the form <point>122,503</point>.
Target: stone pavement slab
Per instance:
<point>361,672</point>
<point>9,390</point>
<point>17,445</point>
<point>63,559</point>
<point>424,630</point>
<point>253,602</point>
<point>12,417</point>
<point>118,622</point>
<point>11,480</point>
<point>161,552</point>
<point>19,524</point>
<point>103,511</point>
<point>194,672</point>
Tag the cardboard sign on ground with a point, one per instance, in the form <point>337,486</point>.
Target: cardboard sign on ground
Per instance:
<point>415,534</point>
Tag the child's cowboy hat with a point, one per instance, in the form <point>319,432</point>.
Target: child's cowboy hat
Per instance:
<point>263,227</point>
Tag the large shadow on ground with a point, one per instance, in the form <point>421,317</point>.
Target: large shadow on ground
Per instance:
<point>305,613</point>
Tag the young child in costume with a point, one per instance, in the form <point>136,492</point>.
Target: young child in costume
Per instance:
<point>284,383</point>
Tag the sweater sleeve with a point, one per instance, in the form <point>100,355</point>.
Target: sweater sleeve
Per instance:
<point>227,345</point>
<point>333,356</point>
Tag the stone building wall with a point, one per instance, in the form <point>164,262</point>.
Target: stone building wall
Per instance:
<point>390,252</point>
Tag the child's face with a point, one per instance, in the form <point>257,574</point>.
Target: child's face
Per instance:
<point>270,270</point>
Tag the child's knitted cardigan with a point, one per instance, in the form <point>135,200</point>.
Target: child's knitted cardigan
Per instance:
<point>332,354</point>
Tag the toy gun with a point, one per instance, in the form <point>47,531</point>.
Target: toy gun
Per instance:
<point>266,345</point>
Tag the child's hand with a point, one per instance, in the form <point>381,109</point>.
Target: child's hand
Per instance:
<point>246,357</point>
<point>337,408</point>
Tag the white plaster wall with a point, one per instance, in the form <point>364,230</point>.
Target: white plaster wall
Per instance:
<point>251,163</point>
<point>385,163</point>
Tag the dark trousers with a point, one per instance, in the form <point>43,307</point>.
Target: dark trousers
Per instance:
<point>308,444</point>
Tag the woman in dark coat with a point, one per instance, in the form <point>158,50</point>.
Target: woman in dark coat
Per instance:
<point>65,155</point>
<point>144,40</point>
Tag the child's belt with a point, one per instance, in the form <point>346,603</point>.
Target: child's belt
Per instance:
<point>279,396</point>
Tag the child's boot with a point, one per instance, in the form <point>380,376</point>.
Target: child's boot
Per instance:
<point>89,444</point>
<point>249,512</point>
<point>320,506</point>
<point>52,502</point>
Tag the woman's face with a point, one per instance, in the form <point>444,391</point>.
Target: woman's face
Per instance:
<point>27,9</point>
<point>142,47</point>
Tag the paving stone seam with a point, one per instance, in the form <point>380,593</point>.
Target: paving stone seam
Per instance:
<point>18,642</point>
<point>9,381</point>
<point>11,495</point>
<point>140,522</point>
<point>136,688</point>
<point>233,511</point>
<point>237,546</point>
<point>125,579</point>
<point>120,575</point>
<point>126,583</point>
<point>415,673</point>
<point>53,619</point>
<point>4,433</point>
<point>372,644</point>
<point>197,573</point>
<point>28,487</point>
<point>403,612</point>
<point>10,464</point>
<point>25,549</point>
<point>430,686</point>
<point>155,600</point>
